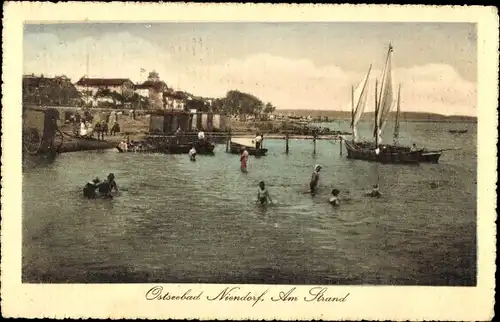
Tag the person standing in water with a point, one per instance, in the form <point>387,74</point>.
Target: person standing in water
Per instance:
<point>313,185</point>
<point>244,159</point>
<point>192,154</point>
<point>263,194</point>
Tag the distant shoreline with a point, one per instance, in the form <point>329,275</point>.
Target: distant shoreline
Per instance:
<point>404,116</point>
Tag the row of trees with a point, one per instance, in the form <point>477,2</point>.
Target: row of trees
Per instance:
<point>56,91</point>
<point>134,100</point>
<point>237,103</point>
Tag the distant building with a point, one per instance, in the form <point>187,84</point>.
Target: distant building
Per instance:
<point>122,86</point>
<point>175,100</point>
<point>153,90</point>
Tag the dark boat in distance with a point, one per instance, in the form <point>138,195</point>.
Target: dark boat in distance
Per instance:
<point>169,145</point>
<point>236,145</point>
<point>391,153</point>
<point>458,131</point>
<point>386,154</point>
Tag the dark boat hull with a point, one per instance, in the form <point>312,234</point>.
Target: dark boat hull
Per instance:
<point>363,151</point>
<point>430,156</point>
<point>236,149</point>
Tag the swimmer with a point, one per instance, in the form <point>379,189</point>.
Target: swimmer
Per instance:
<point>334,200</point>
<point>90,187</point>
<point>263,194</point>
<point>375,193</point>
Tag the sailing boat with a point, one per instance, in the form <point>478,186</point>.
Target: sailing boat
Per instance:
<point>383,102</point>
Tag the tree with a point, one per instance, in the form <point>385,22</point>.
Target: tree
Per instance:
<point>154,76</point>
<point>114,96</point>
<point>269,108</point>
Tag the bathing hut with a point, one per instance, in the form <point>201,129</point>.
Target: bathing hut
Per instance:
<point>169,121</point>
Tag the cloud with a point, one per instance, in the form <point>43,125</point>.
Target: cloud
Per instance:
<point>299,84</point>
<point>287,83</point>
<point>110,55</point>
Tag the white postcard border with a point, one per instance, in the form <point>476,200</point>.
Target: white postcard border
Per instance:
<point>128,300</point>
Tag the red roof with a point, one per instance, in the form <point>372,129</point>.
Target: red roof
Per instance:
<point>102,81</point>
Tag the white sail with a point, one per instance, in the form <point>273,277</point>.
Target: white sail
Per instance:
<point>386,94</point>
<point>358,102</point>
<point>394,103</point>
<point>398,111</point>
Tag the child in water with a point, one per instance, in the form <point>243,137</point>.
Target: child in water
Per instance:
<point>192,154</point>
<point>263,194</point>
<point>334,200</point>
<point>374,193</point>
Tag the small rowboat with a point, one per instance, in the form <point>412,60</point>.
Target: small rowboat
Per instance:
<point>237,144</point>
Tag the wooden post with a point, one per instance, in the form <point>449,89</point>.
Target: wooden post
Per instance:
<point>228,141</point>
<point>341,140</point>
<point>314,142</point>
<point>286,142</point>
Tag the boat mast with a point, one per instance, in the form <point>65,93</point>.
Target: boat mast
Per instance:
<point>87,80</point>
<point>352,113</point>
<point>396,121</point>
<point>376,115</point>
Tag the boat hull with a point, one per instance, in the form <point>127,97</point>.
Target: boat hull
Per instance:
<point>367,152</point>
<point>236,149</point>
<point>430,156</point>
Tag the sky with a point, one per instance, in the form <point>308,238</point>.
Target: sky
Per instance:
<point>292,65</point>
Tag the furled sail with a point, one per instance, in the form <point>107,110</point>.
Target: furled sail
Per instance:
<point>385,100</point>
<point>358,103</point>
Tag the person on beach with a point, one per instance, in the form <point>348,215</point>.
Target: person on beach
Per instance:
<point>90,187</point>
<point>244,159</point>
<point>263,194</point>
<point>83,129</point>
<point>413,148</point>
<point>97,129</point>
<point>192,154</point>
<point>115,129</point>
<point>313,185</point>
<point>375,193</point>
<point>107,186</point>
<point>104,129</point>
<point>90,130</point>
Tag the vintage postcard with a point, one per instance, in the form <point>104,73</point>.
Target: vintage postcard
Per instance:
<point>224,161</point>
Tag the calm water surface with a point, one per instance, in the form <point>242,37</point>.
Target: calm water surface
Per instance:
<point>197,222</point>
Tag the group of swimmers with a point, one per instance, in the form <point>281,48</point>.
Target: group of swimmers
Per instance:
<point>263,194</point>
<point>96,187</point>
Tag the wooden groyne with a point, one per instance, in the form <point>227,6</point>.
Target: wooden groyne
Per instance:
<point>74,144</point>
